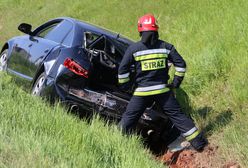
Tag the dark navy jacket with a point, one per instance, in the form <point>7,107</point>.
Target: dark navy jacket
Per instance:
<point>151,67</point>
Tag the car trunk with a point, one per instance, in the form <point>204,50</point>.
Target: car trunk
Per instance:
<point>105,55</point>
<point>101,92</point>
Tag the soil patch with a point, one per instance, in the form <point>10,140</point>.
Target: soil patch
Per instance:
<point>232,164</point>
<point>189,158</point>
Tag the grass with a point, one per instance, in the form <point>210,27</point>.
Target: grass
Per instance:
<point>210,35</point>
<point>33,134</point>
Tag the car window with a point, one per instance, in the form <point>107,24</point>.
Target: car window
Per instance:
<point>59,33</point>
<point>89,38</point>
<point>46,30</point>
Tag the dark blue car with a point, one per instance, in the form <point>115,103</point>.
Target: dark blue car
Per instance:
<point>77,63</point>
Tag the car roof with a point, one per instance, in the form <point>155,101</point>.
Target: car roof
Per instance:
<point>98,29</point>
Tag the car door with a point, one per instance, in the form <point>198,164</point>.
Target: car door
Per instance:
<point>18,61</point>
<point>46,39</point>
<point>40,46</point>
<point>29,51</point>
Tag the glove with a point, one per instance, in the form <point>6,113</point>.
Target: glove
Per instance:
<point>177,81</point>
<point>170,85</point>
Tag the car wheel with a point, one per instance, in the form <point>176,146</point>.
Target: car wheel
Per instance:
<point>3,60</point>
<point>39,85</point>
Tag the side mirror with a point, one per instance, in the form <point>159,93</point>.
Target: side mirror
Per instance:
<point>25,28</point>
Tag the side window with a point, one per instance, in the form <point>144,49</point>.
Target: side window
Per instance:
<point>59,33</point>
<point>89,37</point>
<point>46,30</point>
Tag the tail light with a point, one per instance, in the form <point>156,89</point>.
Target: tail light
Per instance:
<point>75,67</point>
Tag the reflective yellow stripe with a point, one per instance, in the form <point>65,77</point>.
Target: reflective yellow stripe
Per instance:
<point>153,92</point>
<point>125,75</point>
<point>180,69</point>
<point>152,51</point>
<point>179,73</point>
<point>123,80</point>
<point>150,88</point>
<point>192,136</point>
<point>149,56</point>
<point>152,64</point>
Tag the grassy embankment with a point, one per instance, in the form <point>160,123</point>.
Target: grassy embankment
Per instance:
<point>34,134</point>
<point>212,37</point>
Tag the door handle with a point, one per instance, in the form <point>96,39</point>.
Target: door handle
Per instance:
<point>30,45</point>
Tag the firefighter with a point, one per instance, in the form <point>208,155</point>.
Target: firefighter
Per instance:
<point>150,57</point>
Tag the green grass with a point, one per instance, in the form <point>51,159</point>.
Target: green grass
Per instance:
<point>33,134</point>
<point>210,35</point>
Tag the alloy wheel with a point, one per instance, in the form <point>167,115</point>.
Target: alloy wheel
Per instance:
<point>3,61</point>
<point>38,86</point>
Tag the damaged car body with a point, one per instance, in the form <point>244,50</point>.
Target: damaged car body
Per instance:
<point>77,63</point>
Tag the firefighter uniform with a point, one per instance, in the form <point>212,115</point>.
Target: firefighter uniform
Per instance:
<point>152,77</point>
<point>151,57</point>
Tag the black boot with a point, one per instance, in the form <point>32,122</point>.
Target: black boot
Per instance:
<point>199,142</point>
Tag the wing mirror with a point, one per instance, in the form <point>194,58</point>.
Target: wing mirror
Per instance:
<point>25,28</point>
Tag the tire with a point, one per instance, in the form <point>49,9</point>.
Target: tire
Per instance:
<point>39,85</point>
<point>3,60</point>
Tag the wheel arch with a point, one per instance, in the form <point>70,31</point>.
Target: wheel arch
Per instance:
<point>46,67</point>
<point>6,46</point>
<point>40,71</point>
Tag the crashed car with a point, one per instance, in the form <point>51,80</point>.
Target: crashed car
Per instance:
<point>77,63</point>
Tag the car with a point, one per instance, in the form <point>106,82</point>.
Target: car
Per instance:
<point>77,63</point>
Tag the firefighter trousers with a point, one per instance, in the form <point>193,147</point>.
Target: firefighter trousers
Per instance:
<point>167,102</point>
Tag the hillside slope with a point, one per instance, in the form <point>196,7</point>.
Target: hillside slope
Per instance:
<point>34,134</point>
<point>210,35</point>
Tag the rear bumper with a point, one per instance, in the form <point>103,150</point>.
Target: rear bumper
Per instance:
<point>88,102</point>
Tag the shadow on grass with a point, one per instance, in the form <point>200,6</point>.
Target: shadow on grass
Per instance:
<point>219,122</point>
<point>213,123</point>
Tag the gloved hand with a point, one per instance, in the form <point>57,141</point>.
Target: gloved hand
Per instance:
<point>177,81</point>
<point>170,85</point>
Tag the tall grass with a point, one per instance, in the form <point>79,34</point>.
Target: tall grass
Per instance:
<point>33,134</point>
<point>210,35</point>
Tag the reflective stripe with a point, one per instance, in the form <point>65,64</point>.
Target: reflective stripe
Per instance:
<point>150,56</point>
<point>191,131</point>
<point>152,51</point>
<point>149,88</point>
<point>179,74</point>
<point>192,136</point>
<point>123,75</point>
<point>123,80</point>
<point>179,69</point>
<point>154,92</point>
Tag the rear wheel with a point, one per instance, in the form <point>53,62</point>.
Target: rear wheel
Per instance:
<point>39,85</point>
<point>3,60</point>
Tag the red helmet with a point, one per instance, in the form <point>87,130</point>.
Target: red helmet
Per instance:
<point>147,23</point>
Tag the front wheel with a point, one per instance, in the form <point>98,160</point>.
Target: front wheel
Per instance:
<point>39,85</point>
<point>3,60</point>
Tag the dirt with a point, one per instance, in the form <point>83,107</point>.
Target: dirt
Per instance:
<point>232,164</point>
<point>189,158</point>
